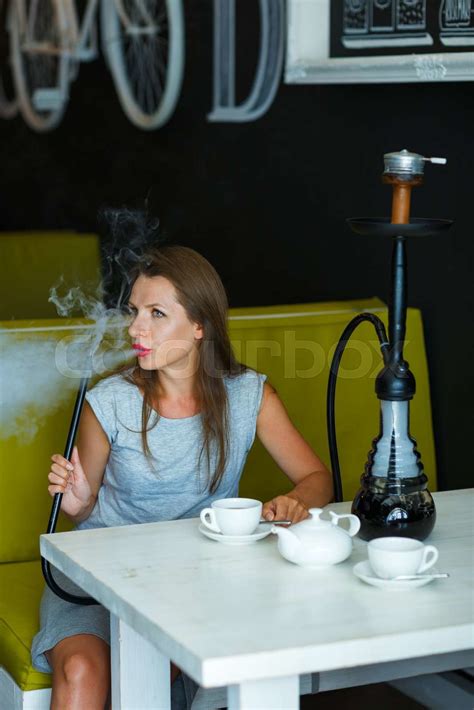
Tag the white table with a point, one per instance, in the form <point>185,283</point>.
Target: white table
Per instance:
<point>245,618</point>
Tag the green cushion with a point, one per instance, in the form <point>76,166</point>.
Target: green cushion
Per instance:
<point>21,586</point>
<point>32,262</point>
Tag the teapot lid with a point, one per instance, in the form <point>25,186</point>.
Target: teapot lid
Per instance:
<point>305,529</point>
<point>313,522</point>
<point>315,517</point>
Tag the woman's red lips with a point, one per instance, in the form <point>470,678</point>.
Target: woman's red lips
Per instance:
<point>140,350</point>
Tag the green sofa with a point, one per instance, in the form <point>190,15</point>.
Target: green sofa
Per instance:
<point>32,262</point>
<point>291,344</point>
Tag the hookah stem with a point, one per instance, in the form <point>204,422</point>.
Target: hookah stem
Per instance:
<point>401,198</point>
<point>397,313</point>
<point>401,207</point>
<point>45,565</point>
<point>331,392</point>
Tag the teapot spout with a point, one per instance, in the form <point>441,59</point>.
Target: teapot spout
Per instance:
<point>288,542</point>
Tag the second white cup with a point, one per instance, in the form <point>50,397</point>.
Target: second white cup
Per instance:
<point>393,556</point>
<point>232,516</point>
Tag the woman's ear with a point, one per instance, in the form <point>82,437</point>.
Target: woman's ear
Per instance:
<point>198,331</point>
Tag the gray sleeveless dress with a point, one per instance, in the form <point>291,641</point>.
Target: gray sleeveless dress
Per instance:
<point>171,485</point>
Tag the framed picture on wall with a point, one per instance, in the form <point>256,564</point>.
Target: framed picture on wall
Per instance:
<point>379,41</point>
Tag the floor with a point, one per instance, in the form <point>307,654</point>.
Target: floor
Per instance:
<point>369,697</point>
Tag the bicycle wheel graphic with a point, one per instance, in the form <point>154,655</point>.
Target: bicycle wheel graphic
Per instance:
<point>143,43</point>
<point>38,32</point>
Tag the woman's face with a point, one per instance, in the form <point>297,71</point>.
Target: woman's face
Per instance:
<point>162,335</point>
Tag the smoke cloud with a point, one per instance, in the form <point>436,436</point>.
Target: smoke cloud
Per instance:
<point>41,367</point>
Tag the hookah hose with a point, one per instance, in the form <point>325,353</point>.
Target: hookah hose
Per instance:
<point>331,393</point>
<point>53,518</point>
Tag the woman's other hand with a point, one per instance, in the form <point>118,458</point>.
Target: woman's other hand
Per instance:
<point>285,507</point>
<point>68,478</point>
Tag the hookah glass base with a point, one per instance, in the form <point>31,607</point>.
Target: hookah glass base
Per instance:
<point>403,508</point>
<point>394,499</point>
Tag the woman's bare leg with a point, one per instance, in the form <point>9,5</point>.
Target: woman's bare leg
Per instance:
<point>81,673</point>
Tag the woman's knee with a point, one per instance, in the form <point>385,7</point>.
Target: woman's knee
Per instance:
<point>81,658</point>
<point>80,666</point>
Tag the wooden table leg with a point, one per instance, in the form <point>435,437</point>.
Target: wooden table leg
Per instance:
<point>275,693</point>
<point>140,673</point>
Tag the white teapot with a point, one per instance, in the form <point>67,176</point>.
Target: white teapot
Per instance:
<point>315,542</point>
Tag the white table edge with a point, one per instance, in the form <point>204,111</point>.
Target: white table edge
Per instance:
<point>328,658</point>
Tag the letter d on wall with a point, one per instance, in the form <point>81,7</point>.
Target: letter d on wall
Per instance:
<point>269,67</point>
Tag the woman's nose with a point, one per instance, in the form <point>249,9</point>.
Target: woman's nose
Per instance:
<point>137,327</point>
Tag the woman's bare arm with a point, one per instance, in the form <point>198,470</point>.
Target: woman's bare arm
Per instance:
<point>313,481</point>
<point>80,478</point>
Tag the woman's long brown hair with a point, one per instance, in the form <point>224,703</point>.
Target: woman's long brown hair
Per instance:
<point>201,293</point>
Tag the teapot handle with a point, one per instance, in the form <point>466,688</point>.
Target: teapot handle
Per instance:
<point>354,526</point>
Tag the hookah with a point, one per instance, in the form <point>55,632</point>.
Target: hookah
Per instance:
<point>393,498</point>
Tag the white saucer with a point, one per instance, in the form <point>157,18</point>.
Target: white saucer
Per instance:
<point>364,571</point>
<point>262,531</point>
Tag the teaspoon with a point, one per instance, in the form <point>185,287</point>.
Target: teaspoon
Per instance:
<point>440,575</point>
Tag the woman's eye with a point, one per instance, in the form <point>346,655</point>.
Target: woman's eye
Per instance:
<point>157,313</point>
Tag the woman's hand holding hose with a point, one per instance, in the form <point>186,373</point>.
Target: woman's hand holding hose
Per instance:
<point>68,478</point>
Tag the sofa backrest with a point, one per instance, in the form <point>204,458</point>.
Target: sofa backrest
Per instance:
<point>294,346</point>
<point>291,344</point>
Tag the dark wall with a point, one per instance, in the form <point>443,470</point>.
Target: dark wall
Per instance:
<point>266,201</point>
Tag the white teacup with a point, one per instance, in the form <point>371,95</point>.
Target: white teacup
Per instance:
<point>232,516</point>
<point>393,556</point>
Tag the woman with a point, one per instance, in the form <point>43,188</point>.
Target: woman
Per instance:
<point>161,441</point>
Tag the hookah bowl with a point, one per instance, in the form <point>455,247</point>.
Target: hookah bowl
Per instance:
<point>393,499</point>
